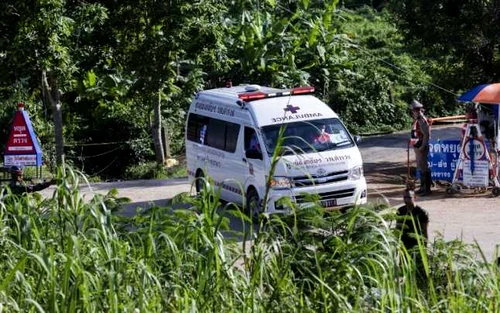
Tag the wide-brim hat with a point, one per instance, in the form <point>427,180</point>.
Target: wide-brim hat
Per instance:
<point>416,105</point>
<point>16,170</point>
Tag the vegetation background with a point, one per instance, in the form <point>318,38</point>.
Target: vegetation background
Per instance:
<point>107,83</point>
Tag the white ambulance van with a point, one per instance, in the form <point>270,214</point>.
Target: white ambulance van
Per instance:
<point>231,136</point>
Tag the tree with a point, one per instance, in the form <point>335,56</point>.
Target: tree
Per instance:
<point>284,43</point>
<point>39,45</point>
<point>355,59</point>
<point>154,38</point>
<point>374,90</point>
<point>460,35</point>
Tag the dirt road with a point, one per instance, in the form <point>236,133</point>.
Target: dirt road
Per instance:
<point>468,216</point>
<point>472,217</point>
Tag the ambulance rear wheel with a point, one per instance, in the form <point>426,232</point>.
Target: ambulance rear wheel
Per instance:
<point>253,205</point>
<point>495,191</point>
<point>200,181</point>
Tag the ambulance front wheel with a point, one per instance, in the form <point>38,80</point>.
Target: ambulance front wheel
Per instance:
<point>495,191</point>
<point>254,207</point>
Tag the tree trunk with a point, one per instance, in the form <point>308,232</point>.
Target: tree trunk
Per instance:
<point>166,141</point>
<point>160,157</point>
<point>51,93</point>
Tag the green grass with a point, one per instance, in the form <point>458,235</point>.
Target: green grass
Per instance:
<point>151,170</point>
<point>65,254</point>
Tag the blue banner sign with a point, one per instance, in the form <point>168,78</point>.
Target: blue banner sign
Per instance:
<point>443,158</point>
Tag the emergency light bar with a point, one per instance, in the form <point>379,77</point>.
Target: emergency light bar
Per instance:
<point>249,96</point>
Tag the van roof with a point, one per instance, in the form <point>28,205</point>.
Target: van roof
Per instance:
<point>236,91</point>
<point>275,109</point>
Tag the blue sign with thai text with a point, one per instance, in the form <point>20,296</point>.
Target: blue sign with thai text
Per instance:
<point>443,158</point>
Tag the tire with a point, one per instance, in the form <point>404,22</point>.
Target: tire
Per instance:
<point>456,188</point>
<point>253,205</point>
<point>450,190</point>
<point>495,191</point>
<point>200,181</point>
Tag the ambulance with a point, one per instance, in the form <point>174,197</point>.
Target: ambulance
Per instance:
<point>260,145</point>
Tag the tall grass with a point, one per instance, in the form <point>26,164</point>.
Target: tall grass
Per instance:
<point>65,254</point>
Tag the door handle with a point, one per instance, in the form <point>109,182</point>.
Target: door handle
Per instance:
<point>244,160</point>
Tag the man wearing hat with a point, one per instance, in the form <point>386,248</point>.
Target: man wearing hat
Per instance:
<point>18,186</point>
<point>420,136</point>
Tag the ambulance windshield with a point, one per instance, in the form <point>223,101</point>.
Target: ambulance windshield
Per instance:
<point>308,136</point>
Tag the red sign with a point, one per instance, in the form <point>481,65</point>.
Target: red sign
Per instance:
<point>20,141</point>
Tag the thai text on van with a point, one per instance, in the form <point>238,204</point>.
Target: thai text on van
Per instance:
<point>209,150</point>
<point>329,159</point>
<point>209,107</point>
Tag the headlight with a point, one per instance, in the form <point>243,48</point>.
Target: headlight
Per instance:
<point>356,173</point>
<point>278,182</point>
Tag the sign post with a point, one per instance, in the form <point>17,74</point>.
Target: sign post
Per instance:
<point>22,148</point>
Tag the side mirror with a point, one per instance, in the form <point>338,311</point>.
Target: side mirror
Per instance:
<point>357,138</point>
<point>253,154</point>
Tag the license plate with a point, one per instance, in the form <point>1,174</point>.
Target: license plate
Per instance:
<point>329,203</point>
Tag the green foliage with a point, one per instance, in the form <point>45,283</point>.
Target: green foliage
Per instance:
<point>114,62</point>
<point>372,91</point>
<point>65,253</point>
<point>458,41</point>
<point>151,170</point>
<point>283,44</point>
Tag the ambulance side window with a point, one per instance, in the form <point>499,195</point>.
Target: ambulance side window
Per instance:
<point>232,133</point>
<point>216,134</point>
<point>197,128</point>
<point>251,140</point>
<point>212,132</point>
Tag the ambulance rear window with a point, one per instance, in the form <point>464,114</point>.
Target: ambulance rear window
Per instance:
<point>212,132</point>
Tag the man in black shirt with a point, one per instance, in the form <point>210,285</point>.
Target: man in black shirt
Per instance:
<point>18,186</point>
<point>412,221</point>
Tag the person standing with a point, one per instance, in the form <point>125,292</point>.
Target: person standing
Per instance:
<point>420,137</point>
<point>254,142</point>
<point>18,186</point>
<point>323,137</point>
<point>413,222</point>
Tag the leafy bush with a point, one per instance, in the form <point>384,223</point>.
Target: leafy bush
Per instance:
<point>151,170</point>
<point>68,254</point>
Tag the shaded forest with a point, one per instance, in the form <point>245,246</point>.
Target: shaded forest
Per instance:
<point>107,83</point>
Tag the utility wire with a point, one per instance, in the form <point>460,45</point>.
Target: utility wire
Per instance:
<point>106,167</point>
<point>97,155</point>
<point>104,143</point>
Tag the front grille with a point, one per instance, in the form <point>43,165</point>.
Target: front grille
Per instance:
<point>314,180</point>
<point>330,195</point>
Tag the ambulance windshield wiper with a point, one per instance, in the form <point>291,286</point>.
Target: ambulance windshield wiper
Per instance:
<point>326,146</point>
<point>333,145</point>
<point>343,142</point>
<point>296,150</point>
